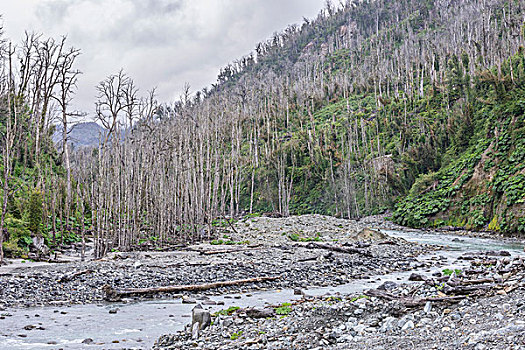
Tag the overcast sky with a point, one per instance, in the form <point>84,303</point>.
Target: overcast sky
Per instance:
<point>159,43</point>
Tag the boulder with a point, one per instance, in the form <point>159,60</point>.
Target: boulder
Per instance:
<point>258,313</point>
<point>368,234</point>
<point>39,245</point>
<point>200,317</point>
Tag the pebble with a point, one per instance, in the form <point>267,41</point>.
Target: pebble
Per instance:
<point>145,270</point>
<point>408,325</point>
<point>428,307</point>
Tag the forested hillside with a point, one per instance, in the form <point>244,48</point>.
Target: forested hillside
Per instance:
<point>407,105</point>
<point>37,81</point>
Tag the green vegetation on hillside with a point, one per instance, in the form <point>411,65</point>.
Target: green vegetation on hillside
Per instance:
<point>407,106</point>
<point>484,185</point>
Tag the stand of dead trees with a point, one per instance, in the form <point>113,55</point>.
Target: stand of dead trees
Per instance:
<point>37,81</point>
<point>265,137</point>
<point>171,172</point>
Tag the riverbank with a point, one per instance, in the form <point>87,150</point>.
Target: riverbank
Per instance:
<point>257,247</point>
<point>481,307</point>
<point>312,255</point>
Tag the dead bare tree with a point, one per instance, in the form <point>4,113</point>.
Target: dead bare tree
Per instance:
<point>67,80</point>
<point>9,135</point>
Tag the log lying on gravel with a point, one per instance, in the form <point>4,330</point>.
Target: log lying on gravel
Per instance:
<point>347,250</point>
<point>454,283</point>
<point>411,302</point>
<point>471,289</point>
<point>504,276</point>
<point>110,294</point>
<point>226,251</point>
<point>72,276</point>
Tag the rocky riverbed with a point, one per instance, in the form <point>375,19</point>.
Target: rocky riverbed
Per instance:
<point>265,247</point>
<point>482,307</point>
<point>305,254</point>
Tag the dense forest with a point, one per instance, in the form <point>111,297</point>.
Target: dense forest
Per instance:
<point>408,106</point>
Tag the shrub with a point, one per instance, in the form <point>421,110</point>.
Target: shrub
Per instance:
<point>35,212</point>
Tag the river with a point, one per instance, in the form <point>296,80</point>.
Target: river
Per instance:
<point>139,324</point>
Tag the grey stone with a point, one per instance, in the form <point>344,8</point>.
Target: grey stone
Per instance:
<point>388,285</point>
<point>358,311</point>
<point>188,300</point>
<point>258,313</point>
<point>388,324</point>
<point>200,317</point>
<point>428,307</point>
<point>360,328</point>
<point>416,277</point>
<point>195,331</point>
<point>408,325</point>
<point>405,319</point>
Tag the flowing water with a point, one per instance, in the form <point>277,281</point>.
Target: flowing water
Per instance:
<point>139,324</point>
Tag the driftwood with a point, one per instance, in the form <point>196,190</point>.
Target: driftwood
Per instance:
<point>411,302</point>
<point>226,251</point>
<point>179,264</point>
<point>464,290</point>
<point>72,276</point>
<point>56,261</point>
<point>388,243</point>
<point>455,288</point>
<point>347,250</point>
<point>110,294</point>
<point>312,258</point>
<point>454,283</point>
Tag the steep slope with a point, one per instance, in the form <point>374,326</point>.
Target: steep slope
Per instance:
<point>484,187</point>
<point>386,96</point>
<point>341,116</point>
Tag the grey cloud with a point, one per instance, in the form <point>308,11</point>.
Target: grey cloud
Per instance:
<point>148,7</point>
<point>164,43</point>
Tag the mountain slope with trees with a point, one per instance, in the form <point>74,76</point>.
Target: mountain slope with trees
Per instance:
<point>407,105</point>
<point>339,116</point>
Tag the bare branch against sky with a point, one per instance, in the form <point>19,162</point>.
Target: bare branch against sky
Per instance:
<point>162,43</point>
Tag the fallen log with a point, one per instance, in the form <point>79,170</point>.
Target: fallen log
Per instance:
<point>312,258</point>
<point>388,243</point>
<point>346,250</point>
<point>455,283</point>
<point>72,276</point>
<point>179,264</point>
<point>57,261</point>
<point>226,251</point>
<point>111,294</point>
<point>411,302</point>
<point>469,289</point>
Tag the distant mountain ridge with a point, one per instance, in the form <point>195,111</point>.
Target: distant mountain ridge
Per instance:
<point>81,135</point>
